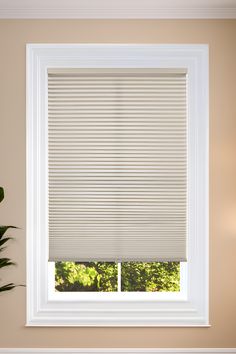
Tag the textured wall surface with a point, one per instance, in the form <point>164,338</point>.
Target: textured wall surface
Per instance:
<point>220,35</point>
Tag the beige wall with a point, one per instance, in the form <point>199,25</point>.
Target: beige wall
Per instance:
<point>221,36</point>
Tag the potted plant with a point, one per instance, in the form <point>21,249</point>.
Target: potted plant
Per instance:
<point>5,262</point>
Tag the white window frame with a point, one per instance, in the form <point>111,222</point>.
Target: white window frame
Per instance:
<point>45,307</point>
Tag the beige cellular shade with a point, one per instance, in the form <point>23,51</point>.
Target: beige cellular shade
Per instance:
<point>117,165</point>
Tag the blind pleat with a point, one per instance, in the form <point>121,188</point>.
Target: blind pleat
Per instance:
<point>117,161</point>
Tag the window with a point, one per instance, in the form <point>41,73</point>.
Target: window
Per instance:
<point>121,277</point>
<point>97,181</point>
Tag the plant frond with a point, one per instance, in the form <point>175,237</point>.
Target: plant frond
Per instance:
<point>4,240</point>
<point>5,262</point>
<point>1,194</point>
<point>7,287</point>
<point>3,229</point>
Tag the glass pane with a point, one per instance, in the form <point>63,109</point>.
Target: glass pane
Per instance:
<point>91,276</point>
<point>154,276</point>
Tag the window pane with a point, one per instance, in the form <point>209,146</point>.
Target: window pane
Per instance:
<point>154,276</point>
<point>91,276</point>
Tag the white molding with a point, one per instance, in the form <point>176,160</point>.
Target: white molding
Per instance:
<point>117,350</point>
<point>45,309</point>
<point>126,9</point>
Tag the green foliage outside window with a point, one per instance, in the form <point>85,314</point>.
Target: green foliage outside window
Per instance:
<point>154,276</point>
<point>92,276</point>
<point>103,276</point>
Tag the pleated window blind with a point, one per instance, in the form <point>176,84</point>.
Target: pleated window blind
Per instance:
<point>117,150</point>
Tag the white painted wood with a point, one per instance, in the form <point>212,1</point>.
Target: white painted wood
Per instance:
<point>44,306</point>
<point>117,350</point>
<point>149,9</point>
<point>119,276</point>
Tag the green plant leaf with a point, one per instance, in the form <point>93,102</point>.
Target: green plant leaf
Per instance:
<point>1,194</point>
<point>5,262</point>
<point>3,229</point>
<point>2,249</point>
<point>7,287</point>
<point>4,240</point>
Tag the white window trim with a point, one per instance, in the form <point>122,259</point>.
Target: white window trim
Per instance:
<point>43,309</point>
